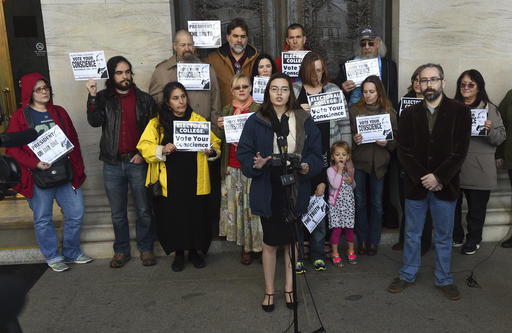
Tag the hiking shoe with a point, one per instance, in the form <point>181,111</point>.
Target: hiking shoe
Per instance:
<point>470,248</point>
<point>457,243</point>
<point>148,259</point>
<point>83,259</point>
<point>299,267</point>
<point>319,265</point>
<point>398,285</point>
<point>59,266</point>
<point>119,260</point>
<point>450,291</point>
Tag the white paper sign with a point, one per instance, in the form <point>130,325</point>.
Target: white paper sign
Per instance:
<point>258,89</point>
<point>316,212</point>
<point>233,126</point>
<point>405,102</point>
<point>87,65</point>
<point>191,135</point>
<point>51,145</point>
<point>194,76</point>
<point>478,118</point>
<point>291,61</point>
<point>373,128</point>
<point>327,106</point>
<point>206,34</point>
<point>358,70</point>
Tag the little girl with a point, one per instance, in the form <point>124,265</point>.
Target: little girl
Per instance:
<point>341,201</point>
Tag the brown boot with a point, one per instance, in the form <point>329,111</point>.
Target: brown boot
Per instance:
<point>119,260</point>
<point>362,249</point>
<point>245,258</point>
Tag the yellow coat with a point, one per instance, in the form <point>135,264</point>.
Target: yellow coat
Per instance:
<point>150,141</point>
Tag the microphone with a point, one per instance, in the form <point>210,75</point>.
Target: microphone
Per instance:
<point>14,139</point>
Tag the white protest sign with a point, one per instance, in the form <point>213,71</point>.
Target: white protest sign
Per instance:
<point>194,76</point>
<point>191,135</point>
<point>358,70</point>
<point>373,128</point>
<point>405,102</point>
<point>258,88</point>
<point>291,61</point>
<point>233,126</point>
<point>327,106</point>
<point>478,118</point>
<point>206,34</point>
<point>51,145</point>
<point>317,209</point>
<point>87,65</point>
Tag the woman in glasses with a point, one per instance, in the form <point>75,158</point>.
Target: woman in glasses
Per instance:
<point>478,173</point>
<point>236,221</point>
<point>279,140</point>
<point>39,112</point>
<point>314,79</point>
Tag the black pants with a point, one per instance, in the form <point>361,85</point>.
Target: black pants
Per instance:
<point>475,218</point>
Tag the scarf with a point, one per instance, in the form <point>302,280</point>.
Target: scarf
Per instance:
<point>239,108</point>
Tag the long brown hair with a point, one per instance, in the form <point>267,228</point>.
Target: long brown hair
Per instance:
<point>307,68</point>
<point>382,100</point>
<point>267,108</point>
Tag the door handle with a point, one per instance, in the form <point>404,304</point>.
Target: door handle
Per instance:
<point>6,90</point>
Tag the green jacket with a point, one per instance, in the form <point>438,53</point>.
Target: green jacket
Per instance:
<point>228,111</point>
<point>504,151</point>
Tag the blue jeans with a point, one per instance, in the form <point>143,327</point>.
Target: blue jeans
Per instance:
<point>368,229</point>
<point>72,204</point>
<point>116,178</point>
<point>442,218</point>
<point>317,241</point>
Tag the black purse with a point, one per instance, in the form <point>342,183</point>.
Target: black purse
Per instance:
<point>59,173</point>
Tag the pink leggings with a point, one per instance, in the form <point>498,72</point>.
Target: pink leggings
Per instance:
<point>336,233</point>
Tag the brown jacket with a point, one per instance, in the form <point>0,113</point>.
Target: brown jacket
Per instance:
<point>371,156</point>
<point>204,102</point>
<point>220,61</point>
<point>441,153</point>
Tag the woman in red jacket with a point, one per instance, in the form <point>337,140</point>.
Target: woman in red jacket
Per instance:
<point>38,111</point>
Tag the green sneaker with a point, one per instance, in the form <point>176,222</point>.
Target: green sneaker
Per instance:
<point>59,266</point>
<point>83,259</point>
<point>319,265</point>
<point>299,267</point>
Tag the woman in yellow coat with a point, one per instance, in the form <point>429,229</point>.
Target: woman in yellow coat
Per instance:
<point>184,178</point>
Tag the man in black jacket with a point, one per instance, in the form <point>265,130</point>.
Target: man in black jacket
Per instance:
<point>123,111</point>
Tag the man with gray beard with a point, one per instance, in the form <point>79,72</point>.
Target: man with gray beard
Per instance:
<point>433,139</point>
<point>204,102</point>
<point>233,57</point>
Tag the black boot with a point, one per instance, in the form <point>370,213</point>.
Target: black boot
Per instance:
<point>507,244</point>
<point>179,261</point>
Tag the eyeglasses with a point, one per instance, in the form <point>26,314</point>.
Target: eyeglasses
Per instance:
<point>244,86</point>
<point>370,43</point>
<point>40,90</point>
<point>470,85</point>
<point>283,90</point>
<point>432,80</point>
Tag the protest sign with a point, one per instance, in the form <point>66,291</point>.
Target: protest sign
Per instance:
<point>51,145</point>
<point>194,76</point>
<point>291,62</point>
<point>233,126</point>
<point>206,34</point>
<point>405,102</point>
<point>191,135</point>
<point>358,70</point>
<point>87,65</point>
<point>478,118</point>
<point>373,128</point>
<point>316,212</point>
<point>258,88</point>
<point>327,106</point>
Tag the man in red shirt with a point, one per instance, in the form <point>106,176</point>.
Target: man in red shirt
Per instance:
<point>295,41</point>
<point>123,111</point>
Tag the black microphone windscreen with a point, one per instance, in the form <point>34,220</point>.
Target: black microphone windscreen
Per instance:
<point>21,138</point>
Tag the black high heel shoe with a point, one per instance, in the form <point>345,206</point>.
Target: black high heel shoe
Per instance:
<point>268,307</point>
<point>289,305</point>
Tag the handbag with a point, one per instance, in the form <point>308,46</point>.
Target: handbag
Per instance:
<point>60,172</point>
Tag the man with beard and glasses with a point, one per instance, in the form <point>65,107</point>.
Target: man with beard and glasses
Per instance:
<point>123,111</point>
<point>433,139</point>
<point>233,57</point>
<point>204,102</point>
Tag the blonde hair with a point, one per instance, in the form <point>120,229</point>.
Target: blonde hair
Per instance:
<point>341,144</point>
<point>238,77</point>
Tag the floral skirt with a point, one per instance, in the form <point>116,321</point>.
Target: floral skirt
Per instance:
<point>236,221</point>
